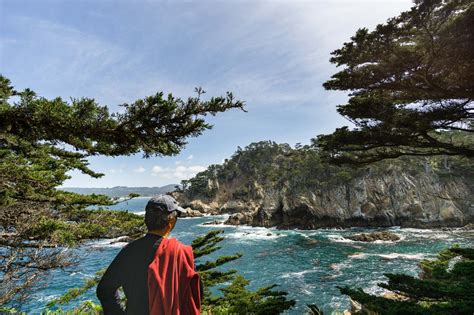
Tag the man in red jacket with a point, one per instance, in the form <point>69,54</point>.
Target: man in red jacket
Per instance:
<point>156,273</point>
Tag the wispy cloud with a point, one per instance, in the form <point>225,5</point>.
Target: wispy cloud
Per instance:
<point>140,169</point>
<point>116,170</point>
<point>177,173</point>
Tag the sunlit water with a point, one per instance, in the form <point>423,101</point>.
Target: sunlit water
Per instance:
<point>309,265</point>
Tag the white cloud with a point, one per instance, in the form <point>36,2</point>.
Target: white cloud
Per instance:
<point>116,170</point>
<point>196,168</point>
<point>157,169</point>
<point>190,157</point>
<point>177,173</point>
<point>140,169</point>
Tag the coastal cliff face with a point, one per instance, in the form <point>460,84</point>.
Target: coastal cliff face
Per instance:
<point>387,196</point>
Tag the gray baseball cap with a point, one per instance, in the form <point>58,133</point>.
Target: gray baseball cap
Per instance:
<point>163,203</point>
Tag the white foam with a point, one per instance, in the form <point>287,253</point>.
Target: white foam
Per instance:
<point>375,289</point>
<point>84,275</point>
<point>254,234</point>
<point>339,239</point>
<point>340,266</point>
<point>357,256</point>
<point>388,242</point>
<point>342,239</point>
<point>47,298</point>
<point>337,269</point>
<point>427,233</point>
<point>114,242</point>
<point>398,255</point>
<point>388,256</point>
<point>298,274</point>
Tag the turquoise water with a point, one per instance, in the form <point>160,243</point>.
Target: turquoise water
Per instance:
<point>307,264</point>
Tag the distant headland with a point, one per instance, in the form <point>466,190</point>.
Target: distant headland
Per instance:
<point>120,191</point>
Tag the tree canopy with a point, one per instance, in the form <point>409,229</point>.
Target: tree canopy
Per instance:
<point>411,84</point>
<point>41,140</point>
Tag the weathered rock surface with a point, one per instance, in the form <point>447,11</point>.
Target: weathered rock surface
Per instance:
<point>395,198</point>
<point>198,205</point>
<point>190,213</point>
<point>375,236</point>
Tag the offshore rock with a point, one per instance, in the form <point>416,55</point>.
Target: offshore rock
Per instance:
<point>375,236</point>
<point>215,222</point>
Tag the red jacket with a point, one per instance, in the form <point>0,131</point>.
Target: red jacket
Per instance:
<point>173,285</point>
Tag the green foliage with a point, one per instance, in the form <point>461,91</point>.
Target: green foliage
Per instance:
<point>8,310</point>
<point>86,307</point>
<point>445,286</point>
<point>238,300</point>
<point>314,310</point>
<point>410,83</point>
<point>80,224</point>
<point>206,244</point>
<point>265,164</point>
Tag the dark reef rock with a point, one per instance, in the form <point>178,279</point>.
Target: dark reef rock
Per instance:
<point>215,222</point>
<point>375,236</point>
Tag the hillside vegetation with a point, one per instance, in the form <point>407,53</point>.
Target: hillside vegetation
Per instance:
<point>274,184</point>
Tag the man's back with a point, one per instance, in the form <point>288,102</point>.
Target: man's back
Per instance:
<point>129,270</point>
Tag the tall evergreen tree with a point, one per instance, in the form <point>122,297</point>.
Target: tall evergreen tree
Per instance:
<point>411,83</point>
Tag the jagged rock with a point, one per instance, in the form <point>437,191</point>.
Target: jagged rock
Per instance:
<point>311,241</point>
<point>237,219</point>
<point>190,213</point>
<point>233,206</point>
<point>199,205</point>
<point>375,236</point>
<point>468,227</point>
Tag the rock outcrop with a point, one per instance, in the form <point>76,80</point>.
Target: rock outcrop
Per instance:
<point>191,213</point>
<point>269,184</point>
<point>375,236</point>
<point>393,198</point>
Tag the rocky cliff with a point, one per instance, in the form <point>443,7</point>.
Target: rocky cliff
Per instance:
<point>392,195</point>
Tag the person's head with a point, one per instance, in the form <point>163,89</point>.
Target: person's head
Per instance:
<point>161,213</point>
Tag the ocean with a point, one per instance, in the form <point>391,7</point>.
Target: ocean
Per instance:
<point>309,265</point>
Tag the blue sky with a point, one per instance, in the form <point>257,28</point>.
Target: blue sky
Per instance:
<point>274,55</point>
